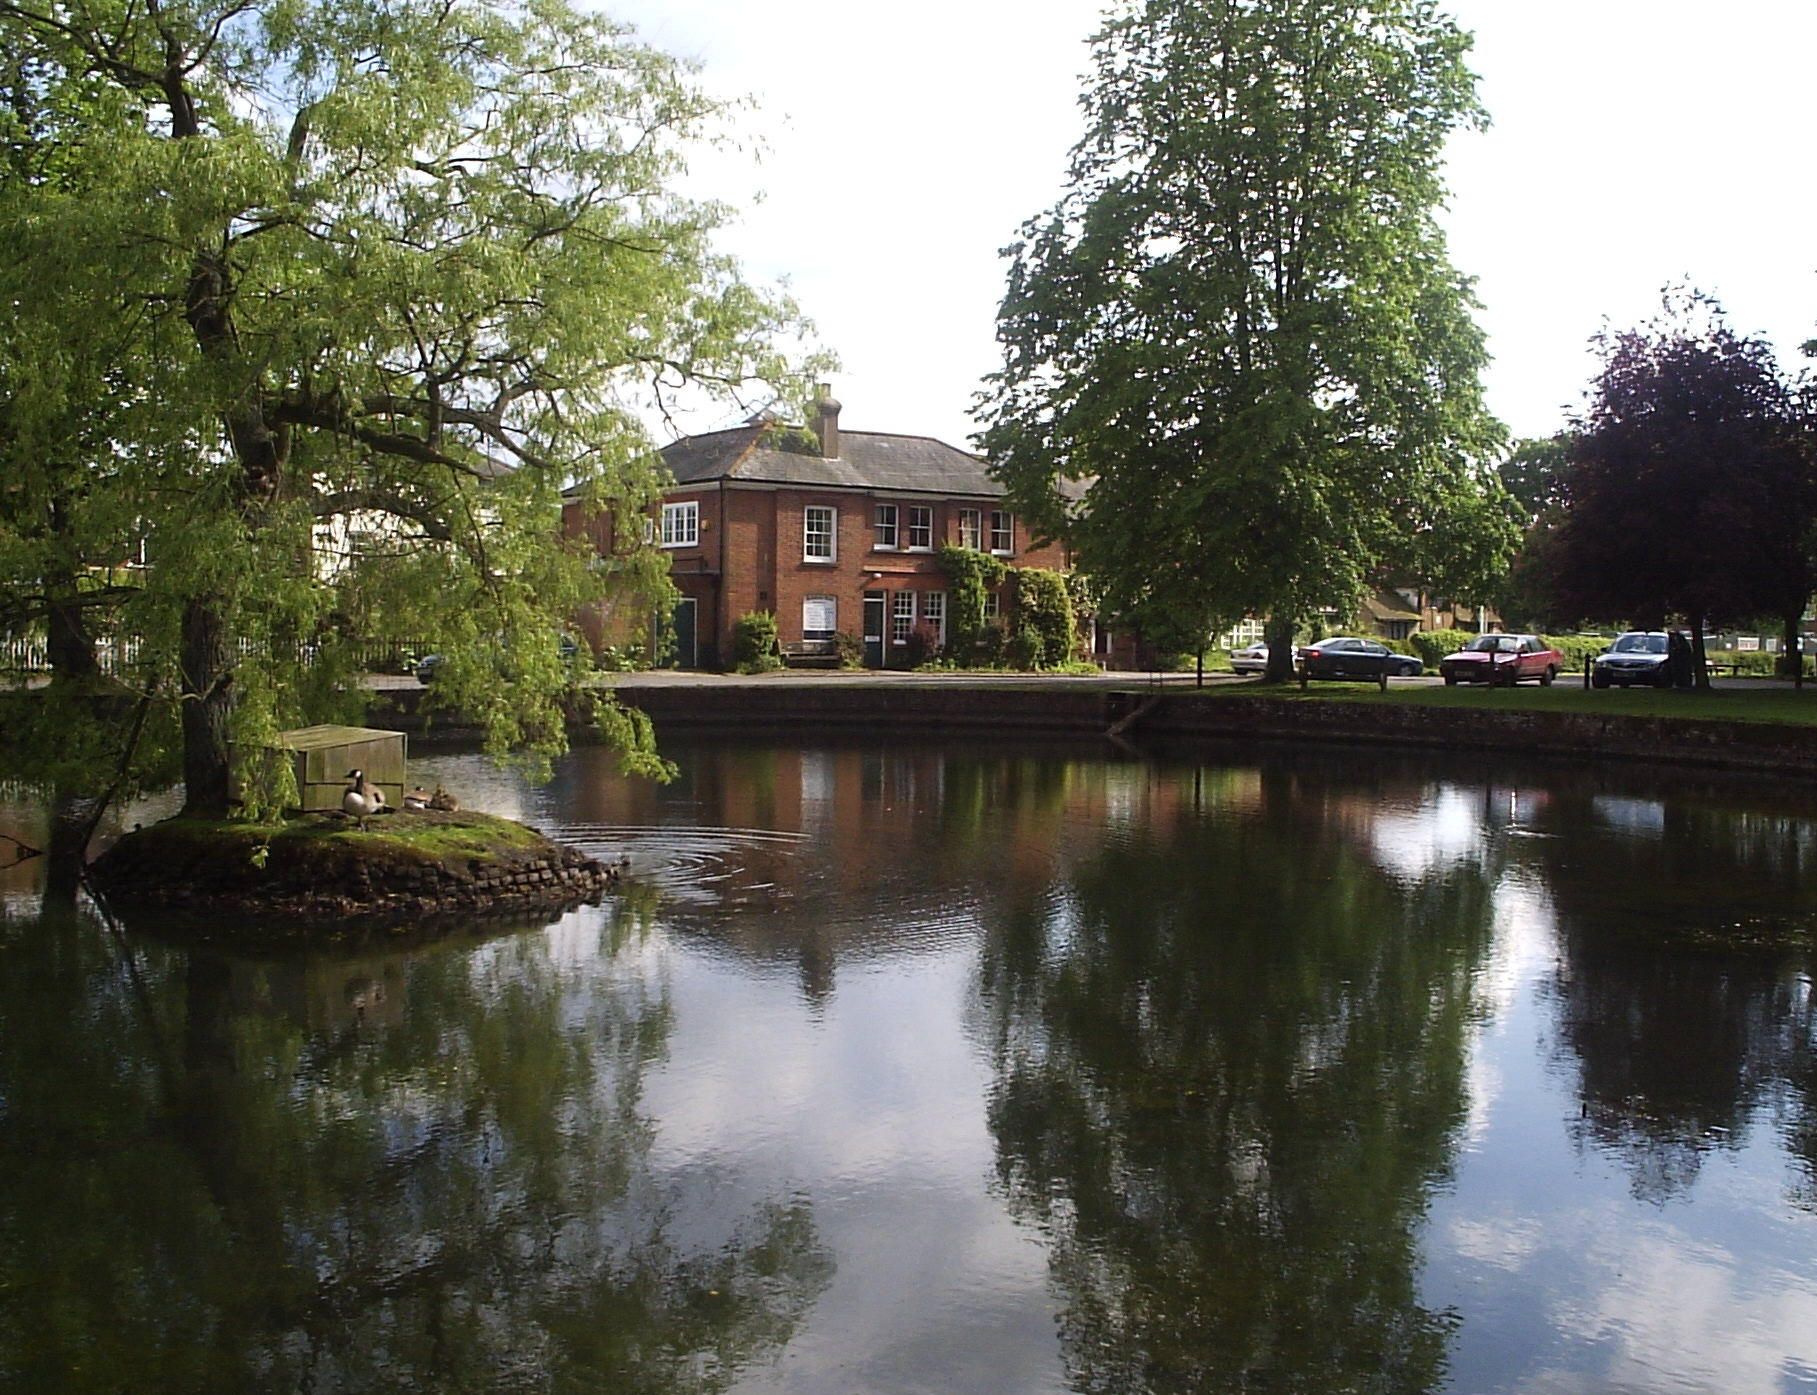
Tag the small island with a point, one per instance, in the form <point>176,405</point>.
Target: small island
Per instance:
<point>322,874</point>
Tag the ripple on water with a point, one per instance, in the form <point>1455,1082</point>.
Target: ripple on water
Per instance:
<point>700,866</point>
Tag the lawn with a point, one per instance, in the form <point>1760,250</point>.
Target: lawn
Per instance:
<point>1765,703</point>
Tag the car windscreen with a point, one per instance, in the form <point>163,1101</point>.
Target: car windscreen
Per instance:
<point>1641,644</point>
<point>1492,644</point>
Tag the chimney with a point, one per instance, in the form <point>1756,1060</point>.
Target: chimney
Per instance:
<point>826,409</point>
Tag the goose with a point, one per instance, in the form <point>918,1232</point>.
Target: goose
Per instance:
<point>417,798</point>
<point>361,801</point>
<point>444,802</point>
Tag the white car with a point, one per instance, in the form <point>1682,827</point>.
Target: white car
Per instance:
<point>1253,659</point>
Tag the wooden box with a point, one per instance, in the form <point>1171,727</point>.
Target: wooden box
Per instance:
<point>322,756</point>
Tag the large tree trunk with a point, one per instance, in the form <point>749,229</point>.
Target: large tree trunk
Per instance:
<point>208,699</point>
<point>1278,633</point>
<point>1700,660</point>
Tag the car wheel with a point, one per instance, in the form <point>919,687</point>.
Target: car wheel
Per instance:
<point>1546,678</point>
<point>1663,679</point>
<point>1450,680</point>
<point>1599,680</point>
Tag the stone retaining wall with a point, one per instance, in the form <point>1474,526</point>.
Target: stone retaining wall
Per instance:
<point>1091,711</point>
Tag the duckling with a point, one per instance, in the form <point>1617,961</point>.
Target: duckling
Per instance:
<point>362,800</point>
<point>443,802</point>
<point>417,798</point>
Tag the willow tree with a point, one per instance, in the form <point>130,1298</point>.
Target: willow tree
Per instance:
<point>1240,325</point>
<point>391,275</point>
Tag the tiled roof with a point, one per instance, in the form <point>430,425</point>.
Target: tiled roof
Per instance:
<point>866,460</point>
<point>1385,605</point>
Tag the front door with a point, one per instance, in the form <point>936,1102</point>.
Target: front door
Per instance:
<point>687,652</point>
<point>873,629</point>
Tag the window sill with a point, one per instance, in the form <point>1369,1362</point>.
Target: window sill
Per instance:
<point>918,549</point>
<point>676,547</point>
<point>819,561</point>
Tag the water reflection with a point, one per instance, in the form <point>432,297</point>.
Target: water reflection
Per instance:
<point>402,1172</point>
<point>1229,1066</point>
<point>963,1068</point>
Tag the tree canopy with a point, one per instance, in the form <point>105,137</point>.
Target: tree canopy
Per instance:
<point>1239,328</point>
<point>1689,490</point>
<point>324,303</point>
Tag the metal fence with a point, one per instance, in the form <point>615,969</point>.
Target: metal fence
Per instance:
<point>29,654</point>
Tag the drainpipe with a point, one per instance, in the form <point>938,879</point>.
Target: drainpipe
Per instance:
<point>719,591</point>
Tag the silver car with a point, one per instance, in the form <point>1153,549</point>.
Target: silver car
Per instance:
<point>1252,658</point>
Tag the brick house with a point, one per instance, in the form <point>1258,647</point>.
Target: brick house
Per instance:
<point>832,530</point>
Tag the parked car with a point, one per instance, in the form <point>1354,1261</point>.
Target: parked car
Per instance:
<point>1503,659</point>
<point>1346,657</point>
<point>1639,656</point>
<point>1250,659</point>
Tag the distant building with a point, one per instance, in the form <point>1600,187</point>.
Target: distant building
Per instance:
<point>832,530</point>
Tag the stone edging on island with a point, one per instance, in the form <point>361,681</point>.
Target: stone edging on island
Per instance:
<point>211,885</point>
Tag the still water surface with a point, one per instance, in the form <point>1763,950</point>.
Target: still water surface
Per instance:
<point>994,1069</point>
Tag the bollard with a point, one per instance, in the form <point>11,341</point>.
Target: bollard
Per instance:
<point>1586,673</point>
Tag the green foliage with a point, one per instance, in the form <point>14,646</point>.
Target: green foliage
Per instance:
<point>1044,606</point>
<point>628,731</point>
<point>1433,645</point>
<point>850,649</point>
<point>796,440</point>
<point>328,304</point>
<point>1238,332</point>
<point>1577,648</point>
<point>972,575</point>
<point>1026,649</point>
<point>754,642</point>
<point>1535,471</point>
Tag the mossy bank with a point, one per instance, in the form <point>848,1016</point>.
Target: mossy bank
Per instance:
<point>322,875</point>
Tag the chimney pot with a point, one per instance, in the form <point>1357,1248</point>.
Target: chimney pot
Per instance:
<point>826,410</point>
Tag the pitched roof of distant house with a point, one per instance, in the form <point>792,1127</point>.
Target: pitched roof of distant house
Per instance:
<point>1385,605</point>
<point>866,460</point>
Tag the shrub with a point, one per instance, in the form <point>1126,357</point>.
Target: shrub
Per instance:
<point>1045,605</point>
<point>1433,645</point>
<point>1577,648</point>
<point>850,649</point>
<point>991,645</point>
<point>754,642</point>
<point>923,645</point>
<point>972,576</point>
<point>1026,648</point>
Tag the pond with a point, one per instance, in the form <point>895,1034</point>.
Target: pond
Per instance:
<point>960,1067</point>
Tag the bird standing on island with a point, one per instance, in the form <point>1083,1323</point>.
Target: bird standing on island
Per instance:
<point>417,798</point>
<point>362,800</point>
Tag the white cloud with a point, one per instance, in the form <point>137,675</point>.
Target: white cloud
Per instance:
<point>1634,142</point>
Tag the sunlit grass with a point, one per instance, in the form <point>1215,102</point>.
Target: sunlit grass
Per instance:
<point>1771,704</point>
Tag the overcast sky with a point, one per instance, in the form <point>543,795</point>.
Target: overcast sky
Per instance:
<point>1634,142</point>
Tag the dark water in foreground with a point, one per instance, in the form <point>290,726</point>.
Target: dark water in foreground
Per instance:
<point>964,1069</point>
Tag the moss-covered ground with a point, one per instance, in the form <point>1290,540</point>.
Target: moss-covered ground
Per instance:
<point>425,836</point>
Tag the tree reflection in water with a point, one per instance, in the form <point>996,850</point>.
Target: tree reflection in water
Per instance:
<point>385,1172</point>
<point>1685,1003</point>
<point>1229,1068</point>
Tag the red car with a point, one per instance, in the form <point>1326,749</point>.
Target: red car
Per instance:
<point>1503,659</point>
